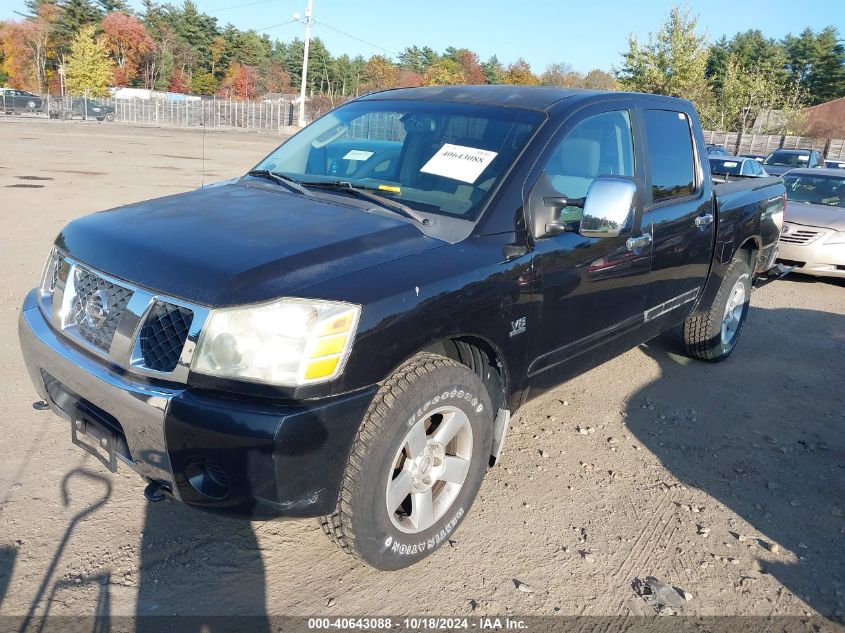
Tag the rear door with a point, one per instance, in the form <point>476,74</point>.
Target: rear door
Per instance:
<point>679,210</point>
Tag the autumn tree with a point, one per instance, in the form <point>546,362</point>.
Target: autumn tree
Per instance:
<point>560,76</point>
<point>128,41</point>
<point>444,72</point>
<point>379,73</point>
<point>88,68</point>
<point>472,70</point>
<point>241,82</point>
<point>519,73</point>
<point>25,46</point>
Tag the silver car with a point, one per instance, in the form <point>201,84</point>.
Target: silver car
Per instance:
<point>813,234</point>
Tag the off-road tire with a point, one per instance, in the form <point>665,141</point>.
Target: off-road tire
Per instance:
<point>361,525</point>
<point>703,333</point>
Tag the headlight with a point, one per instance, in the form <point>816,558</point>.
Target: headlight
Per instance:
<point>50,276</point>
<point>836,238</point>
<point>288,342</point>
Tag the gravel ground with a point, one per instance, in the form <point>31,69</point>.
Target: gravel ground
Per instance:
<point>727,480</point>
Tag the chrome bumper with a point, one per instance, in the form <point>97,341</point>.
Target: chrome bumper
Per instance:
<point>140,408</point>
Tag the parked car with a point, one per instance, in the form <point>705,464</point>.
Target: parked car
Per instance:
<point>758,157</point>
<point>736,166</point>
<point>88,109</point>
<point>781,161</point>
<point>813,235</point>
<point>835,164</point>
<point>19,101</point>
<point>717,150</point>
<point>351,346</point>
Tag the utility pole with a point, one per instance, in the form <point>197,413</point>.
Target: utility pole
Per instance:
<point>308,21</point>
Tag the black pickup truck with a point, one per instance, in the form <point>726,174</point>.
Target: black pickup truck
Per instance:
<point>345,331</point>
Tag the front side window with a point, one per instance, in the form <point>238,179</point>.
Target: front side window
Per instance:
<point>670,153</point>
<point>600,145</point>
<point>440,158</point>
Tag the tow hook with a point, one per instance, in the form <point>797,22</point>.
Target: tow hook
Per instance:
<point>154,492</point>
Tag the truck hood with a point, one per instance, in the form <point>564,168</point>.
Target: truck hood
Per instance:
<point>820,215</point>
<point>238,242</point>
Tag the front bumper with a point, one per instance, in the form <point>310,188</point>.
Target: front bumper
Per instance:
<point>816,257</point>
<point>265,458</point>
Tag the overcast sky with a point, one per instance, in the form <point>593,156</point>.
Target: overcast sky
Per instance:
<point>585,34</point>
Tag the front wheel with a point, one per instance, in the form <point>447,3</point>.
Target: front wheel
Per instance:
<point>714,335</point>
<point>416,464</point>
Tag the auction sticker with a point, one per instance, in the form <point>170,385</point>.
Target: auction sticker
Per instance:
<point>358,154</point>
<point>459,163</point>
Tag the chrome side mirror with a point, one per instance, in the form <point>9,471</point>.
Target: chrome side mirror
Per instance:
<point>608,206</point>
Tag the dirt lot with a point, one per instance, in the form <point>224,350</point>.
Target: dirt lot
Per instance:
<point>725,480</point>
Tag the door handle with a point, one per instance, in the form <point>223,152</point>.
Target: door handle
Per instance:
<point>636,243</point>
<point>704,220</point>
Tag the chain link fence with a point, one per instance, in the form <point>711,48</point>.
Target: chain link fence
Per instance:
<point>258,116</point>
<point>273,116</point>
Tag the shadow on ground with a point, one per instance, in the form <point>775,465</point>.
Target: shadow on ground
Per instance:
<point>204,567</point>
<point>778,463</point>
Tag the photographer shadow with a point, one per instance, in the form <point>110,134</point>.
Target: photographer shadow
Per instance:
<point>762,434</point>
<point>203,568</point>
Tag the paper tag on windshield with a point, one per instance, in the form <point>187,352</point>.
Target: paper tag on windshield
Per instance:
<point>459,163</point>
<point>358,154</point>
<point>731,164</point>
<point>804,157</point>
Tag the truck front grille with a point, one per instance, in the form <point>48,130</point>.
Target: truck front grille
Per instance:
<point>164,334</point>
<point>128,326</point>
<point>97,307</point>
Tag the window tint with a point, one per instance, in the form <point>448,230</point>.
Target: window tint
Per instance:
<point>598,146</point>
<point>670,154</point>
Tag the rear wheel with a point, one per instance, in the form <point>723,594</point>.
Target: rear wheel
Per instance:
<point>714,335</point>
<point>416,464</point>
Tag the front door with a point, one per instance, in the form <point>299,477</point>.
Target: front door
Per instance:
<point>589,290</point>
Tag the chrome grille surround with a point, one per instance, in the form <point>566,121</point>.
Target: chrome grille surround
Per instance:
<point>114,334</point>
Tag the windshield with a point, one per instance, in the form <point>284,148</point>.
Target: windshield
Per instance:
<point>433,157</point>
<point>827,190</point>
<point>787,159</point>
<point>725,166</point>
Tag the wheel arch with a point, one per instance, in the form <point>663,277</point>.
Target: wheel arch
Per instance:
<point>483,358</point>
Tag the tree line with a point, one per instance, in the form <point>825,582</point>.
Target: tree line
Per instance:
<point>736,82</point>
<point>90,45</point>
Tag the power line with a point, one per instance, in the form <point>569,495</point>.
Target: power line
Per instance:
<point>273,26</point>
<point>239,6</point>
<point>381,48</point>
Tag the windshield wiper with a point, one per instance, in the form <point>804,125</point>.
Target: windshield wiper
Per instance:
<point>287,181</point>
<point>366,192</point>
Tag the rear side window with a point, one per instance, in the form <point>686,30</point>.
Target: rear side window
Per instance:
<point>670,154</point>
